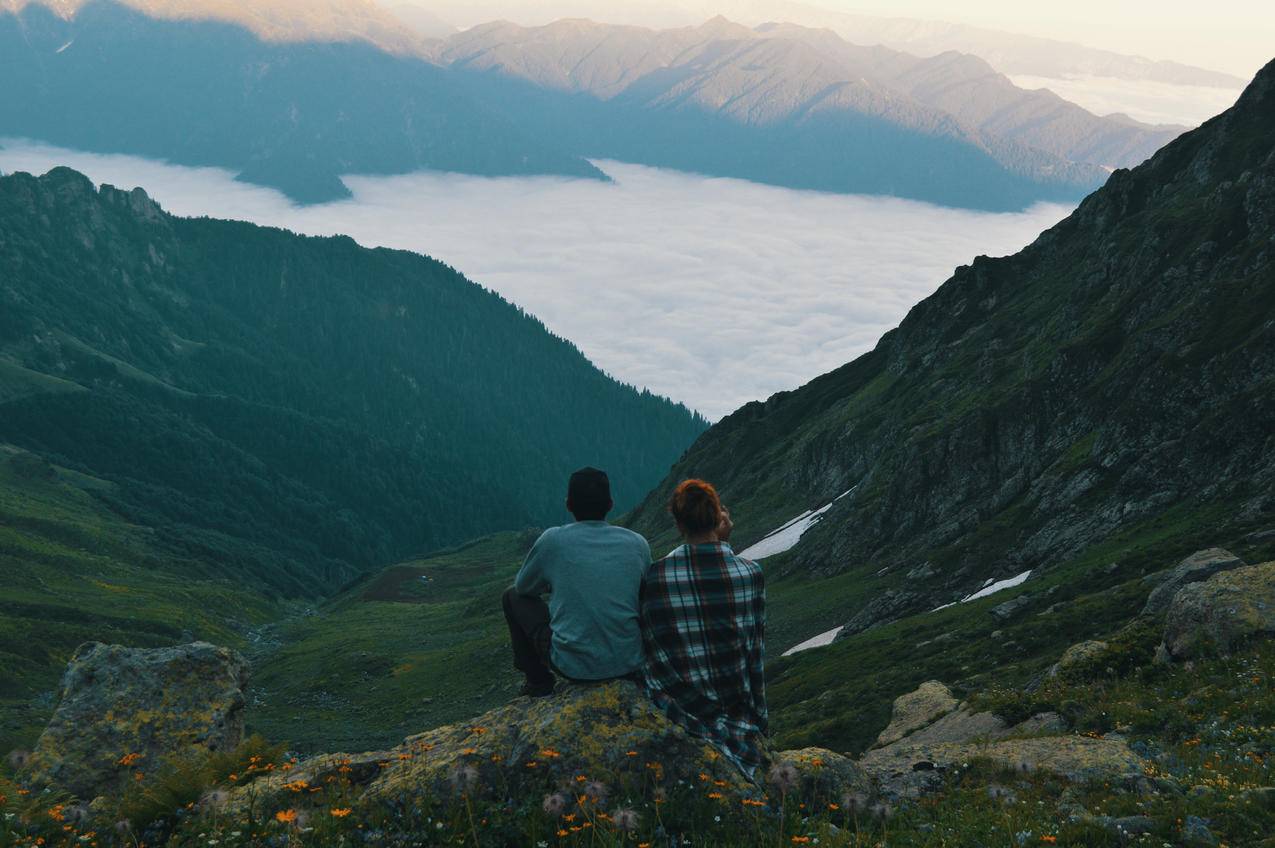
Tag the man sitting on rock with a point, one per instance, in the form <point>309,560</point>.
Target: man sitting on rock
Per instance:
<point>592,573</point>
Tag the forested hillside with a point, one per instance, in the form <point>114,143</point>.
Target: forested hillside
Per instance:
<point>296,409</point>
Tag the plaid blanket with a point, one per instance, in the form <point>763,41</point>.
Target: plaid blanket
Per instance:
<point>703,629</point>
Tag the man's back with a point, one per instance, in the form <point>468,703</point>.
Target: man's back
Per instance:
<point>592,572</point>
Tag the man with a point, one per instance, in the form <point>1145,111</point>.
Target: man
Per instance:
<point>592,573</point>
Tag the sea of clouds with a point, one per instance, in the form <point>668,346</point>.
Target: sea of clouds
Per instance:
<point>1150,102</point>
<point>713,292</point>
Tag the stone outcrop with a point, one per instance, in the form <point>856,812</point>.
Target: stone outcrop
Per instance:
<point>1216,615</point>
<point>882,609</point>
<point>909,770</point>
<point>608,733</point>
<point>123,711</point>
<point>931,733</point>
<point>961,725</point>
<point>1199,566</point>
<point>915,710</point>
<point>1078,656</point>
<point>930,715</point>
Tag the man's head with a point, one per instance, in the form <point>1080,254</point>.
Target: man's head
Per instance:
<point>589,495</point>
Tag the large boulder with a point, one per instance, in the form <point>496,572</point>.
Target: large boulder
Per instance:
<point>917,709</point>
<point>583,736</point>
<point>1078,657</point>
<point>963,725</point>
<point>123,711</point>
<point>909,770</point>
<point>1218,614</point>
<point>1199,566</point>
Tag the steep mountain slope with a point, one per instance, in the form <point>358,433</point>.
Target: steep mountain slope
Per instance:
<point>294,116</point>
<point>797,107</point>
<point>302,409</point>
<point>1115,375</point>
<point>274,20</point>
<point>421,21</point>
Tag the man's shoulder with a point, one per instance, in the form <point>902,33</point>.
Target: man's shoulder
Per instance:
<point>628,535</point>
<point>548,536</point>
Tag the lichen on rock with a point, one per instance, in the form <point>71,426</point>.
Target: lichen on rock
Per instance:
<point>917,709</point>
<point>123,711</point>
<point>1219,613</point>
<point>609,734</point>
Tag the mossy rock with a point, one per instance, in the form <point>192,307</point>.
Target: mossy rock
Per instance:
<point>125,711</point>
<point>608,734</point>
<point>1220,613</point>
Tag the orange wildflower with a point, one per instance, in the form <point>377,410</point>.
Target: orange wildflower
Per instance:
<point>286,816</point>
<point>340,812</point>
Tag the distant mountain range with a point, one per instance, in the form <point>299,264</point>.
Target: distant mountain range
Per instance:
<point>297,409</point>
<point>294,116</point>
<point>293,96</point>
<point>1009,53</point>
<point>798,106</point>
<point>274,20</point>
<point>1111,385</point>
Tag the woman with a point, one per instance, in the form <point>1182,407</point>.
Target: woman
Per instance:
<point>703,630</point>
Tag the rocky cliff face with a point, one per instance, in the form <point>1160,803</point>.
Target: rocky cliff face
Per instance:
<point>1117,372</point>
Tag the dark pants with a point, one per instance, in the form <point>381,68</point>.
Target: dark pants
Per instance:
<point>531,635</point>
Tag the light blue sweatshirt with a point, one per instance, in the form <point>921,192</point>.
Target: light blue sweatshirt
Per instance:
<point>592,572</point>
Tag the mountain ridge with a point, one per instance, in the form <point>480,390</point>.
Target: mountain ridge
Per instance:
<point>276,20</point>
<point>295,116</point>
<point>1039,402</point>
<point>295,396</point>
<point>828,114</point>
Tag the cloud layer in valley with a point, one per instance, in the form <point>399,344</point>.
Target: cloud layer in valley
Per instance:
<point>713,292</point>
<point>1151,102</point>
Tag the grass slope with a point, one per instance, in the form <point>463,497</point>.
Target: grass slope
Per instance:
<point>420,644</point>
<point>393,654</point>
<point>72,571</point>
<point>1207,732</point>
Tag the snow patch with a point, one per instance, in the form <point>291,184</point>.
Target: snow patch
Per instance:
<point>786,537</point>
<point>820,641</point>
<point>990,587</point>
<point>998,586</point>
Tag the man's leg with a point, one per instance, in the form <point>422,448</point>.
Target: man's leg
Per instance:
<point>529,631</point>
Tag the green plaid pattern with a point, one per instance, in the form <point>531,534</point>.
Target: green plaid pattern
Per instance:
<point>703,629</point>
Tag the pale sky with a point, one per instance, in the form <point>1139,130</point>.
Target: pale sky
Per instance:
<point>1237,36</point>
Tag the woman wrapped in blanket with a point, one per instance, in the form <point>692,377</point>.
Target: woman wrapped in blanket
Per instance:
<point>703,614</point>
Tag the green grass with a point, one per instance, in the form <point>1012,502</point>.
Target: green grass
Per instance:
<point>840,696</point>
<point>72,571</point>
<point>1207,733</point>
<point>18,382</point>
<point>393,655</point>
